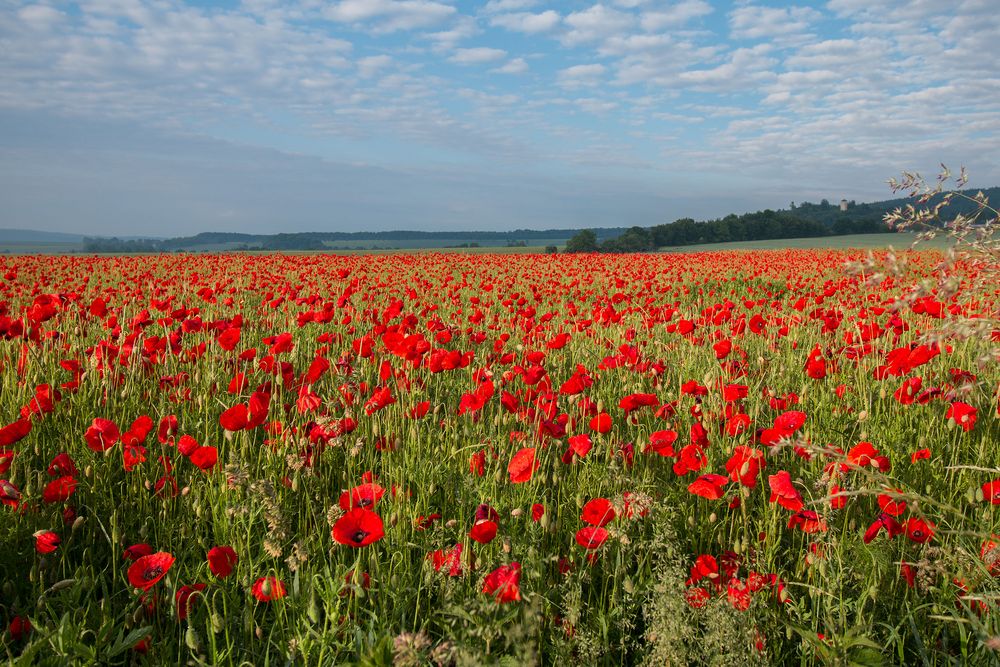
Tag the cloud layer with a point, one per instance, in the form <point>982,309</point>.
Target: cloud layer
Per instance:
<point>645,99</point>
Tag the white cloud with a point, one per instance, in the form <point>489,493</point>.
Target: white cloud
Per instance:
<point>581,75</point>
<point>371,65</point>
<point>498,6</point>
<point>746,68</point>
<point>477,55</point>
<point>758,22</point>
<point>40,16</point>
<point>462,28</point>
<point>594,24</point>
<point>675,15</point>
<point>527,22</point>
<point>390,15</point>
<point>512,66</point>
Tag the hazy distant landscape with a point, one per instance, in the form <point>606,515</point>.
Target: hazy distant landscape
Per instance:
<point>807,225</point>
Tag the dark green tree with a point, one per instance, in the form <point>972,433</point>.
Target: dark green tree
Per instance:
<point>583,241</point>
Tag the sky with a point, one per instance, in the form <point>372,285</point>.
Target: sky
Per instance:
<point>165,118</point>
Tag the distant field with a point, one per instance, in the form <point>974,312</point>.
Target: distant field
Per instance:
<point>39,248</point>
<point>898,241</point>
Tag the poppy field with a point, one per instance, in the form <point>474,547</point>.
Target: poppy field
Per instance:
<point>694,458</point>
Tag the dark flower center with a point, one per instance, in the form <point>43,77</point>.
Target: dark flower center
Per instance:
<point>152,573</point>
<point>359,535</point>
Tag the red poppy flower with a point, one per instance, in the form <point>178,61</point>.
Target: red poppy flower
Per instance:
<point>709,486</point>
<point>890,504</point>
<point>990,553</point>
<point>185,599</point>
<point>138,431</point>
<point>187,445</point>
<point>884,521</point>
<point>581,444</point>
<point>102,435</point>
<point>783,492</point>
<point>661,442</point>
<point>450,560</point>
<point>991,492</point>
<point>20,627</point>
<point>697,597</point>
<point>601,423</point>
<point>962,414</point>
<point>364,495</point>
<point>59,490</point>
<point>537,512</point>
<point>691,459</point>
<point>591,537</point>
<point>864,454</point>
<point>633,402</point>
<point>359,527</point>
<point>807,521</point>
<point>744,465</point>
<point>503,583</point>
<point>136,551</point>
<point>522,466</point>
<point>598,512</point>
<point>705,566</point>
<point>46,541</point>
<point>266,589</point>
<point>14,432</point>
<point>918,530</point>
<point>148,570</point>
<point>6,458</point>
<point>167,429</point>
<point>477,464</point>
<point>10,495</point>
<point>222,560</point>
<point>483,531</point>
<point>205,457</point>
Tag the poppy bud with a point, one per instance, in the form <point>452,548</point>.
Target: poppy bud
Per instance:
<point>712,517</point>
<point>218,625</point>
<point>137,615</point>
<point>78,523</point>
<point>314,610</point>
<point>191,638</point>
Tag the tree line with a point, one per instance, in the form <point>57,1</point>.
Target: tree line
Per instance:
<point>759,226</point>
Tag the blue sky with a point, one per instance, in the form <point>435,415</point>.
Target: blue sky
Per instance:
<point>161,117</point>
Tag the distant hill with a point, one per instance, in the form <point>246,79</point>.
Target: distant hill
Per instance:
<point>31,236</point>
<point>804,219</point>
